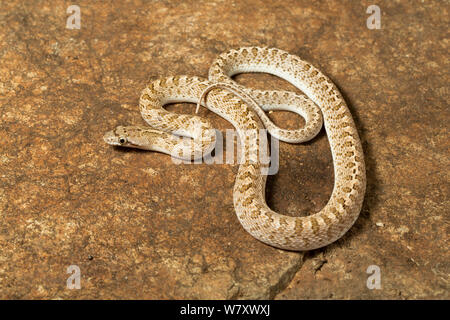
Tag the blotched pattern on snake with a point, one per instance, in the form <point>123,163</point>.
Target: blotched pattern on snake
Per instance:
<point>246,111</point>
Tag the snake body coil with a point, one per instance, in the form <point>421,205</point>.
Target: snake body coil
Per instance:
<point>323,102</point>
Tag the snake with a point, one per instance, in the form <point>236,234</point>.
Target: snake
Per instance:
<point>189,136</point>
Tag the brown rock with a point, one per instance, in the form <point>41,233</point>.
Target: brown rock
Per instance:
<point>139,226</point>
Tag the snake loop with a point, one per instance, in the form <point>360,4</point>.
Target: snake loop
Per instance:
<point>245,109</point>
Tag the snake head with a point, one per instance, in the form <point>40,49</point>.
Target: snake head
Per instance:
<point>132,137</point>
<point>117,137</point>
<point>124,137</point>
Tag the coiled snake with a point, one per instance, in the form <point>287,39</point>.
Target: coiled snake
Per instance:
<point>244,109</point>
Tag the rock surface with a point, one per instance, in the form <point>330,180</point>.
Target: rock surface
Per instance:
<point>139,226</point>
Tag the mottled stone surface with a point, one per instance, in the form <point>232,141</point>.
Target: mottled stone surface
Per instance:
<point>139,226</point>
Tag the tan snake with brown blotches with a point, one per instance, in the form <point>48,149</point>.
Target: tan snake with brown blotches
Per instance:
<point>244,108</point>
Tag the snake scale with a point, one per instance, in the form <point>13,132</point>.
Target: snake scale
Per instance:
<point>245,109</point>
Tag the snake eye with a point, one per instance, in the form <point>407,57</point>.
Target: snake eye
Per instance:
<point>122,140</point>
